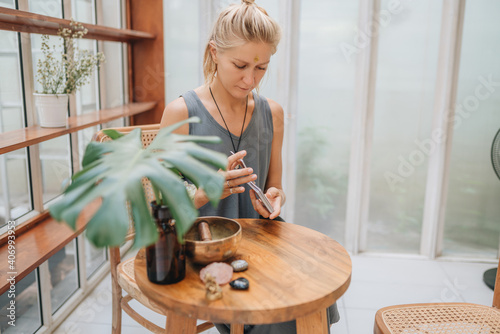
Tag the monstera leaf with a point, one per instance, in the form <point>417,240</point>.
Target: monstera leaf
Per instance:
<point>113,171</point>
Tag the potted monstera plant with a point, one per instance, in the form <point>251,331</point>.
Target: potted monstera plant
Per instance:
<point>113,171</point>
<point>62,70</point>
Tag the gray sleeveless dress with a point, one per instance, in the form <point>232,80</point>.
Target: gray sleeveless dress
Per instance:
<point>256,140</point>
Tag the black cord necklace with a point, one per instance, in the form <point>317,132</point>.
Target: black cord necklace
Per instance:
<point>236,148</point>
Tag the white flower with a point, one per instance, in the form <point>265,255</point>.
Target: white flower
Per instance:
<point>73,69</point>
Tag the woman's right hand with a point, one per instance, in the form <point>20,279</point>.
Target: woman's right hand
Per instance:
<point>236,177</point>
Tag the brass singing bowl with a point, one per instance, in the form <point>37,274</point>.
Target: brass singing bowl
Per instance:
<point>226,237</point>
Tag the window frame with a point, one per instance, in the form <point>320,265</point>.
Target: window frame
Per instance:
<point>25,23</point>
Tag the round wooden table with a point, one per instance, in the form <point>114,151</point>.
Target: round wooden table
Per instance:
<point>294,273</point>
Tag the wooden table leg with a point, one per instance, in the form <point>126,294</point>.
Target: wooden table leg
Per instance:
<point>315,323</point>
<point>237,328</point>
<point>178,324</point>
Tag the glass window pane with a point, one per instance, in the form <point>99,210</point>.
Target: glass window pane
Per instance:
<point>95,257</point>
<point>112,75</point>
<point>14,189</point>
<point>46,7</point>
<point>12,115</point>
<point>112,80</point>
<point>86,96</point>
<point>83,11</point>
<point>56,166</point>
<point>27,307</point>
<point>11,98</point>
<point>472,211</point>
<point>324,120</point>
<point>111,10</point>
<point>112,94</point>
<point>84,137</point>
<point>11,95</point>
<point>403,118</point>
<point>7,3</point>
<point>63,275</point>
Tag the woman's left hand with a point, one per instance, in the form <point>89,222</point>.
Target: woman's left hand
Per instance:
<point>274,196</point>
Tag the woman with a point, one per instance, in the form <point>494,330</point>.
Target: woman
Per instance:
<point>236,58</point>
<point>234,63</point>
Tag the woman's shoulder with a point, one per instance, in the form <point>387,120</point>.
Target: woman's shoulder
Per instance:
<point>274,106</point>
<point>176,109</point>
<point>276,109</point>
<point>278,117</point>
<point>179,109</point>
<point>174,112</point>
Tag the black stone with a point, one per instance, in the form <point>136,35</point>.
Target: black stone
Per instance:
<point>240,284</point>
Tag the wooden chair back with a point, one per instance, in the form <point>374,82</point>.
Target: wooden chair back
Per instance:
<point>148,134</point>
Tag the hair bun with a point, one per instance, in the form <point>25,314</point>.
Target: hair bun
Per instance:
<point>248,2</point>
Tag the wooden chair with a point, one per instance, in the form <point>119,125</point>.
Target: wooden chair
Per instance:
<point>442,318</point>
<point>122,273</point>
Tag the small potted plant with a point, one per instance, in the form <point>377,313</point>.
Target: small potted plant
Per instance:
<point>61,72</point>
<point>113,171</point>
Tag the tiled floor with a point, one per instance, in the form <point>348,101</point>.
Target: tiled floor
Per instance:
<point>376,282</point>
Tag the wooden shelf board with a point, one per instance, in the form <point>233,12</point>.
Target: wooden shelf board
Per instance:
<point>21,21</point>
<point>17,139</point>
<point>38,244</point>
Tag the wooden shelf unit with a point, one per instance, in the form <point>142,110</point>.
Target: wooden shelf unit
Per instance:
<point>21,21</point>
<point>17,139</point>
<point>41,237</point>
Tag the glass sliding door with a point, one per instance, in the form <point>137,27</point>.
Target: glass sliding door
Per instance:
<point>408,39</point>
<point>270,84</point>
<point>182,34</point>
<point>324,117</point>
<point>404,96</point>
<point>472,222</point>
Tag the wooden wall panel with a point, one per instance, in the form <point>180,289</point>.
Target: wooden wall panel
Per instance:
<point>147,73</point>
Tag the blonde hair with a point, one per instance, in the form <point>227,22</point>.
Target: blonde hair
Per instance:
<point>237,25</point>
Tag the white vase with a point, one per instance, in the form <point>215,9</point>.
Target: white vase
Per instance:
<point>52,109</point>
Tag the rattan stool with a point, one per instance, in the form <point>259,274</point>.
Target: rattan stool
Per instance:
<point>441,318</point>
<point>452,318</point>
